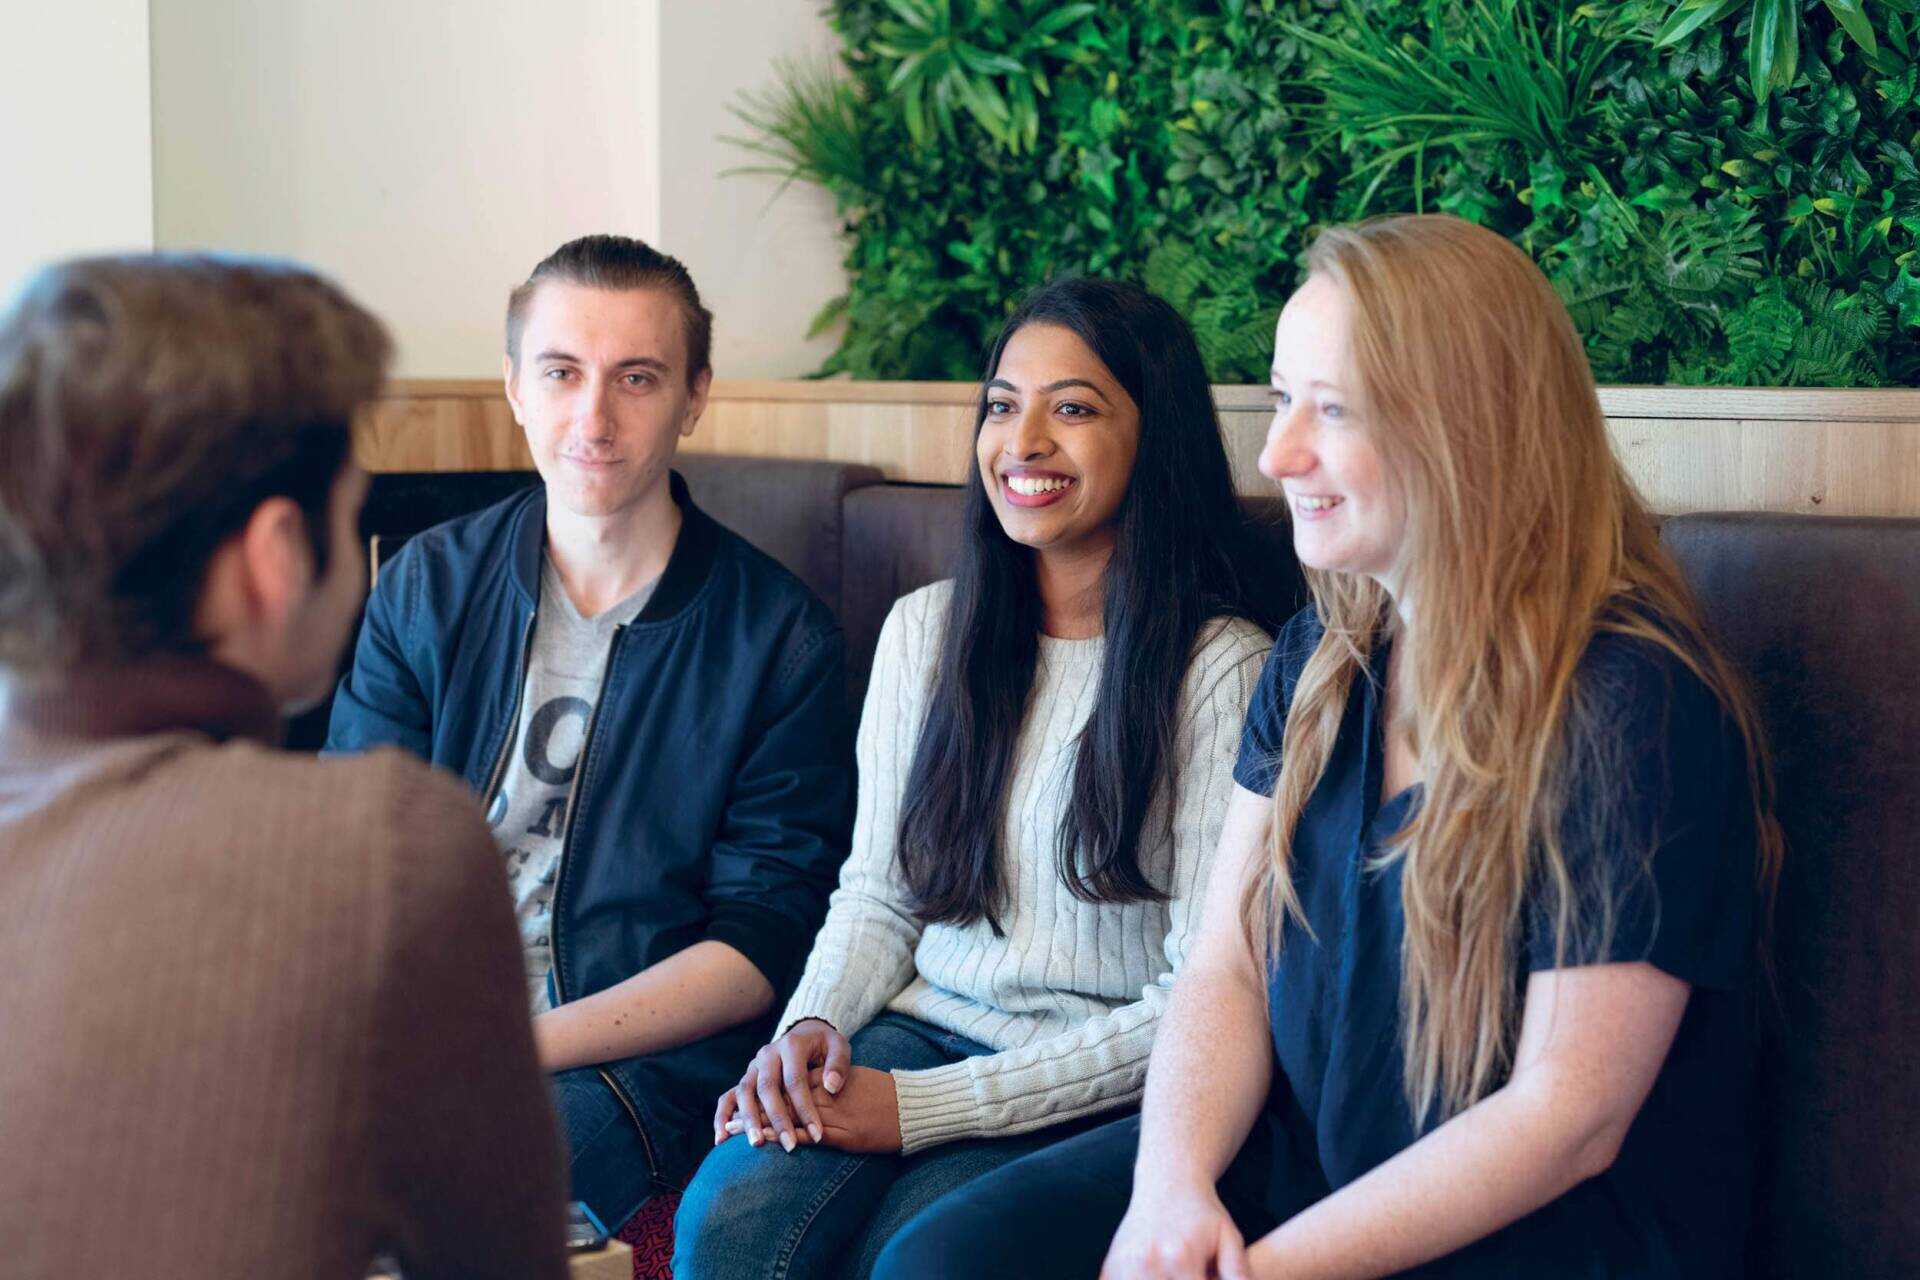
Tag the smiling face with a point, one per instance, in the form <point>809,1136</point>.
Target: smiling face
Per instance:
<point>1057,445</point>
<point>600,386</point>
<point>1347,517</point>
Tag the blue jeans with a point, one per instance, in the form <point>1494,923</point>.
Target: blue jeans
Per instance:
<point>761,1212</point>
<point>607,1162</point>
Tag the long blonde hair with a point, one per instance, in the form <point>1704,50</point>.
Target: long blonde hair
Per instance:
<point>1524,538</point>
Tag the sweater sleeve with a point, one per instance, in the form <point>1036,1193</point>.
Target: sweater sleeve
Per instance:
<point>863,956</point>
<point>467,1151</point>
<point>1102,1063</point>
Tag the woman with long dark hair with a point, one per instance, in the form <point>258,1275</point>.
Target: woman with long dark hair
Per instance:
<point>1045,756</point>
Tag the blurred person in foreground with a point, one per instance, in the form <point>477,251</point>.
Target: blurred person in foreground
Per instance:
<point>263,1013</point>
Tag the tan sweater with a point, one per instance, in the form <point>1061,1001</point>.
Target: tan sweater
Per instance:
<point>260,1015</point>
<point>1071,993</point>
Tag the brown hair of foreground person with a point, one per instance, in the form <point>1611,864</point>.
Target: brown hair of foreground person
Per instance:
<point>147,406</point>
<point>262,1014</point>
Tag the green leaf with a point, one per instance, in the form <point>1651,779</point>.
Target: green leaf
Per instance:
<point>1852,16</point>
<point>1064,16</point>
<point>808,127</point>
<point>988,63</point>
<point>1901,160</point>
<point>1759,336</point>
<point>1904,294</point>
<point>917,14</point>
<point>1786,54</point>
<point>1762,46</point>
<point>1689,16</point>
<point>1897,36</point>
<point>826,317</point>
<point>1900,92</point>
<point>909,65</point>
<point>912,105</point>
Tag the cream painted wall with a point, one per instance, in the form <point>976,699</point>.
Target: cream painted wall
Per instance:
<point>765,260</point>
<point>75,137</point>
<point>428,152</point>
<point>425,152</point>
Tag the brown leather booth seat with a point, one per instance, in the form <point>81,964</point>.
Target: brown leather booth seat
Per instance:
<point>1823,614</point>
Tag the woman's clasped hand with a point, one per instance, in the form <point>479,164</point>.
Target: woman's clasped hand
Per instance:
<point>803,1088</point>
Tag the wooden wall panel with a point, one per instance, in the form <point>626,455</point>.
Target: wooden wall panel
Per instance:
<point>441,426</point>
<point>1689,449</point>
<point>1835,468</point>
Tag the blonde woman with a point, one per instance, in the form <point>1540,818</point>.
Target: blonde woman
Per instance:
<point>1471,995</point>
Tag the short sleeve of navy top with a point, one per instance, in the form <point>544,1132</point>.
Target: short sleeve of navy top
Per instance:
<point>1657,834</point>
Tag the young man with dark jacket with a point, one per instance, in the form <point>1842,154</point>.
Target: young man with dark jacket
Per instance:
<point>652,712</point>
<point>262,1014</point>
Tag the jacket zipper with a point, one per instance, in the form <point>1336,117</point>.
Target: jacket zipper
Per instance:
<point>559,885</point>
<point>513,721</point>
<point>653,1162</point>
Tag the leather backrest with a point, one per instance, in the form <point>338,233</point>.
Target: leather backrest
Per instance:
<point>1824,616</point>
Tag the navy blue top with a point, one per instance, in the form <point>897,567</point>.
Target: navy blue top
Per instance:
<point>1672,775</point>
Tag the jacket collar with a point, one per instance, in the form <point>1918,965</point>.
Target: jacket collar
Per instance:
<point>687,568</point>
<point>152,695</point>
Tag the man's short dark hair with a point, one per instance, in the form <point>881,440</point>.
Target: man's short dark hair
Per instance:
<point>618,262</point>
<point>148,405</point>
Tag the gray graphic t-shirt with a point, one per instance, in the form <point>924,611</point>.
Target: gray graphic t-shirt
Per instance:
<point>529,814</point>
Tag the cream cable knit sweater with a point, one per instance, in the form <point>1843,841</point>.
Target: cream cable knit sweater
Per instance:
<point>1070,995</point>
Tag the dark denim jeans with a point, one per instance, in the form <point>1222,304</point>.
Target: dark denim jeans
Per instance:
<point>1054,1213</point>
<point>606,1156</point>
<point>760,1212</point>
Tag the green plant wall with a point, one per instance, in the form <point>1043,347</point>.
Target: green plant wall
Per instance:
<point>1701,233</point>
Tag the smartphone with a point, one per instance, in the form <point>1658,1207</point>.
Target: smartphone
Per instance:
<point>585,1233</point>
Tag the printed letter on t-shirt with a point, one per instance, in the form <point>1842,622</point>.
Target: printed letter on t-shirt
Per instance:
<point>540,737</point>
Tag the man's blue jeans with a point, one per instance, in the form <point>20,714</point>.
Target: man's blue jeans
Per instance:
<point>606,1156</point>
<point>760,1213</point>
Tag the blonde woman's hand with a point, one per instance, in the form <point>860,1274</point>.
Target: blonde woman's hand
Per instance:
<point>1186,1235</point>
<point>775,1099</point>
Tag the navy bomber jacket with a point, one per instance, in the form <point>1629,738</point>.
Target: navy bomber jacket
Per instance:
<point>714,793</point>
